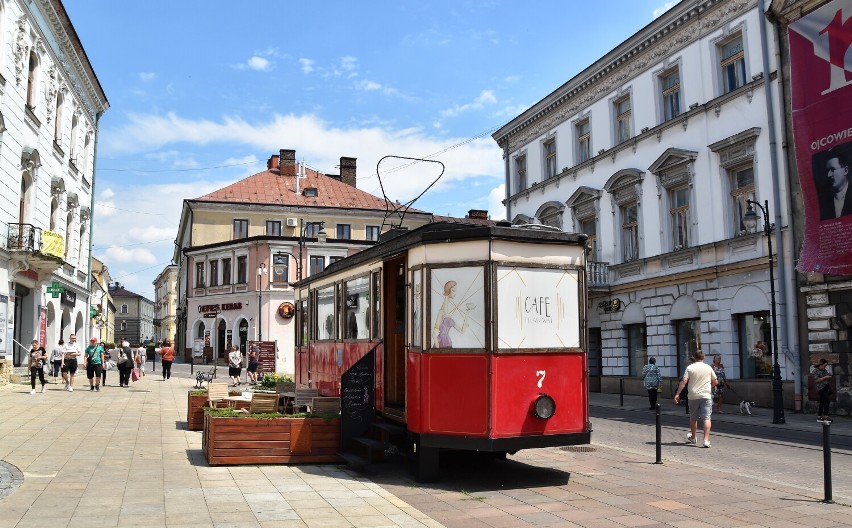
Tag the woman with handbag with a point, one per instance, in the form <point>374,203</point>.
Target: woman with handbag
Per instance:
<point>38,359</point>
<point>823,386</point>
<point>653,381</point>
<point>235,365</point>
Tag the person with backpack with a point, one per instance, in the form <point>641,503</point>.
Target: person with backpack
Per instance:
<point>125,364</point>
<point>93,358</point>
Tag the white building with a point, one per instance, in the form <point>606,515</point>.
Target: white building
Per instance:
<point>654,151</point>
<point>165,304</point>
<point>50,104</point>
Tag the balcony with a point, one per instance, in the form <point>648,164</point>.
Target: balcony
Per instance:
<point>597,275</point>
<point>35,249</point>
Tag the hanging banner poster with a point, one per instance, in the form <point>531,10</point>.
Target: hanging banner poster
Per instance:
<point>821,87</point>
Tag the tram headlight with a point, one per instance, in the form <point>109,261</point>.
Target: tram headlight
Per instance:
<point>543,407</point>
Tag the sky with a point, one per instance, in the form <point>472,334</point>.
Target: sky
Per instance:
<point>202,93</point>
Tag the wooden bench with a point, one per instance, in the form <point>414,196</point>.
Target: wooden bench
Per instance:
<point>325,404</point>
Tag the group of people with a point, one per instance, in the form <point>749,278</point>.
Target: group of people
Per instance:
<point>235,365</point>
<point>97,359</point>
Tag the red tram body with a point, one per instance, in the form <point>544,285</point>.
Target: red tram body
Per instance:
<point>479,336</point>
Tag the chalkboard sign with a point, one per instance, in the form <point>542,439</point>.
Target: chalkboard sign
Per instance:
<point>357,398</point>
<point>265,356</point>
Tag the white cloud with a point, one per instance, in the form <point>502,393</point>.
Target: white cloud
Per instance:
<point>107,193</point>
<point>512,78</point>
<point>135,255</point>
<point>307,65</point>
<point>665,7</point>
<point>152,233</point>
<point>495,203</point>
<point>258,64</point>
<point>485,97</point>
<point>349,63</point>
<point>147,76</point>
<point>369,86</point>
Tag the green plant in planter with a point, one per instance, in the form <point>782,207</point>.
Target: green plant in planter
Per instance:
<point>230,412</point>
<point>198,392</point>
<point>270,380</point>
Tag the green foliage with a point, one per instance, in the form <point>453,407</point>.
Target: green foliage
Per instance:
<point>198,392</point>
<point>230,412</point>
<point>270,380</point>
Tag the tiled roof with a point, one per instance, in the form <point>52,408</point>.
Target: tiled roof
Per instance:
<point>458,220</point>
<point>122,292</point>
<point>269,188</point>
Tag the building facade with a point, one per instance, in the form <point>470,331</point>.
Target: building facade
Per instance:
<point>241,247</point>
<point>134,317</point>
<point>50,105</point>
<point>659,151</point>
<point>102,312</point>
<point>165,304</point>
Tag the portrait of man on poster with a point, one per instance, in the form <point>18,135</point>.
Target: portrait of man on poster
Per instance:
<point>831,177</point>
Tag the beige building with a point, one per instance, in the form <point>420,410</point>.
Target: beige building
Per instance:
<point>165,303</point>
<point>102,312</point>
<point>240,248</point>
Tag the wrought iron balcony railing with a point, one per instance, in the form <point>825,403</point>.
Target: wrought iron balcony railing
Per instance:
<point>24,237</point>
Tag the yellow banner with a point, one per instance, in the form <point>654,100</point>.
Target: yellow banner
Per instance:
<point>52,243</point>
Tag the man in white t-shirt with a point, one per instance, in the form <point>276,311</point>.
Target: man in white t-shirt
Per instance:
<point>700,380</point>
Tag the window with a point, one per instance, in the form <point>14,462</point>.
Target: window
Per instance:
<point>754,338</point>
<point>75,125</point>
<point>312,229</point>
<point>671,95</point>
<point>242,268</point>
<point>688,335</point>
<point>325,314</point>
<point>124,308</point>
<point>32,79</point>
<point>317,264</point>
<point>332,260</point>
<point>376,305</point>
<point>584,141</point>
<point>679,210</point>
<point>742,189</point>
<point>214,273</point>
<point>622,120</point>
<point>733,64</point>
<point>226,272</point>
<point>123,326</point>
<point>273,228</point>
<point>551,216</point>
<point>344,231</point>
<point>630,232</point>
<point>199,274</point>
<point>549,149</point>
<point>57,125</point>
<point>520,173</point>
<point>589,227</point>
<point>280,267</point>
<point>69,223</point>
<point>637,348</point>
<point>357,302</point>
<point>240,229</point>
<point>373,233</point>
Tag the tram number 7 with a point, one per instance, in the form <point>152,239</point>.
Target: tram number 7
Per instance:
<point>541,373</point>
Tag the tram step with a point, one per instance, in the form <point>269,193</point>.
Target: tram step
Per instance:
<point>373,447</point>
<point>389,429</point>
<point>354,461</point>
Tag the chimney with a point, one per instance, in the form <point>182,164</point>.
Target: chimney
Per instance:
<point>478,214</point>
<point>287,163</point>
<point>348,171</point>
<point>272,162</point>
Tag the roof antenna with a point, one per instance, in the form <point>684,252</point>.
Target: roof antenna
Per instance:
<point>400,209</point>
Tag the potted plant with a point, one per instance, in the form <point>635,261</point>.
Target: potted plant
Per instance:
<point>197,400</point>
<point>231,437</point>
<point>276,382</point>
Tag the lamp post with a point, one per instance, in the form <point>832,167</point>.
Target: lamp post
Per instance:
<point>261,269</point>
<point>750,220</point>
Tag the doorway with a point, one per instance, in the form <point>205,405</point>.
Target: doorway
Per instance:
<point>220,339</point>
<point>395,310</point>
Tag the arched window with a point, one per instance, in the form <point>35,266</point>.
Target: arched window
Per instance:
<point>54,213</point>
<point>57,125</point>
<point>69,223</point>
<point>124,308</point>
<point>32,77</point>
<point>81,262</point>
<point>84,165</point>
<point>123,326</point>
<point>26,188</point>
<point>75,121</point>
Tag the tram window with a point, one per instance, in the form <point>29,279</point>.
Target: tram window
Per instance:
<point>302,338</point>
<point>325,313</point>
<point>376,305</point>
<point>357,302</point>
<point>416,308</point>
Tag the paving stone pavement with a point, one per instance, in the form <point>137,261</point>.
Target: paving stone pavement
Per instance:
<point>123,457</point>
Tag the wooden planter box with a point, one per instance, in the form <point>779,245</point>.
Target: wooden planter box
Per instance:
<point>285,440</point>
<point>195,411</point>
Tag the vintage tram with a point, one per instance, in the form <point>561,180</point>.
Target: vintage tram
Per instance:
<point>477,332</point>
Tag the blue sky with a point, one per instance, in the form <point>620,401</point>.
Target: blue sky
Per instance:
<point>202,93</point>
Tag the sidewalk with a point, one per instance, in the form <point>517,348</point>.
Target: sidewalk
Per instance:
<point>122,457</point>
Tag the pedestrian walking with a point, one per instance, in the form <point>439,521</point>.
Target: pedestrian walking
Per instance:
<point>69,362</point>
<point>139,358</point>
<point>722,379</point>
<point>37,362</point>
<point>106,365</point>
<point>699,380</point>
<point>125,364</point>
<point>252,366</point>
<point>167,356</point>
<point>653,381</point>
<point>94,359</point>
<point>56,360</point>
<point>822,379</point>
<point>235,365</point>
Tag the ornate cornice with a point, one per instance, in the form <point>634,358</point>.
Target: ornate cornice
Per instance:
<point>640,53</point>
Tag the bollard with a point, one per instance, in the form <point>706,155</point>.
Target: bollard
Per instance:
<point>826,461</point>
<point>621,390</point>
<point>192,364</point>
<point>659,436</point>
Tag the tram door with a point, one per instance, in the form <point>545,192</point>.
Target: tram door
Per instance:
<point>395,310</point>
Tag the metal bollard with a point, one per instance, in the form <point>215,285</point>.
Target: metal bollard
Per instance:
<point>826,461</point>
<point>659,435</point>
<point>621,390</point>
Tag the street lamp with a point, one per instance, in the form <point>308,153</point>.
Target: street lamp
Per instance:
<point>750,221</point>
<point>321,237</point>
<point>261,269</point>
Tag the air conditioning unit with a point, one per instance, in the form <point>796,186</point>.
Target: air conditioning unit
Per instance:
<point>292,222</point>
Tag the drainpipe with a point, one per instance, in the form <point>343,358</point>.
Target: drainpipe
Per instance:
<point>783,251</point>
